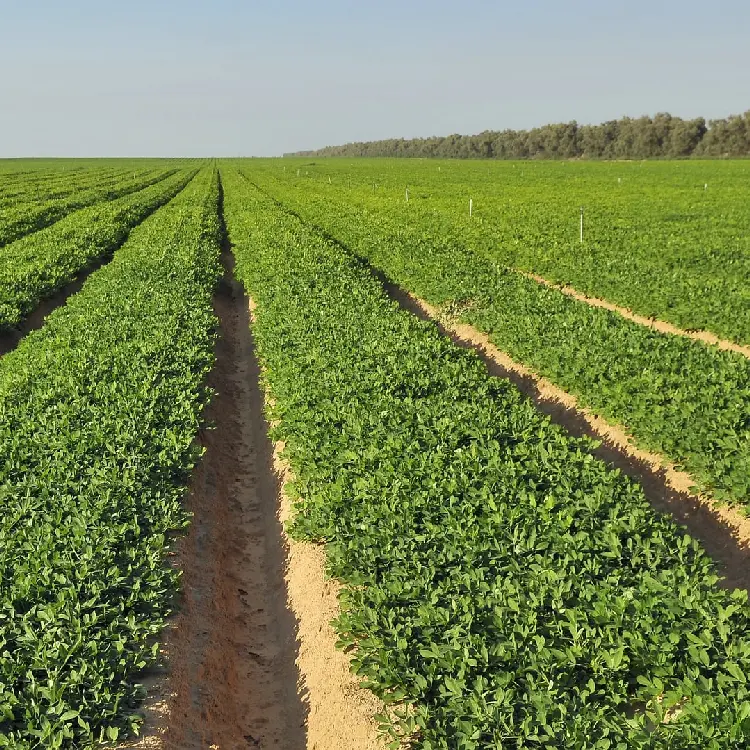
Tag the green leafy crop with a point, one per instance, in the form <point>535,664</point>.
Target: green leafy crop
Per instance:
<point>680,397</point>
<point>505,589</point>
<point>36,266</point>
<point>99,410</point>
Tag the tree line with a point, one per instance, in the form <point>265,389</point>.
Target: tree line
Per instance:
<point>662,136</point>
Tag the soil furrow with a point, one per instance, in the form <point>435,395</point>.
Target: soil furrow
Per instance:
<point>250,659</point>
<point>230,679</point>
<point>9,340</point>
<point>658,325</point>
<point>233,652</point>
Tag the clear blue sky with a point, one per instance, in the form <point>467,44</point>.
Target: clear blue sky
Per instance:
<point>168,78</point>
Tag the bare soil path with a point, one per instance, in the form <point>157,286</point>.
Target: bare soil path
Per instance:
<point>250,659</point>
<point>232,681</point>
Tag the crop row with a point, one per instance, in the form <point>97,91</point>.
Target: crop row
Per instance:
<point>687,400</point>
<point>17,182</point>
<point>36,266</point>
<point>24,218</point>
<point>508,587</point>
<point>24,188</point>
<point>98,414</point>
<point>668,240</point>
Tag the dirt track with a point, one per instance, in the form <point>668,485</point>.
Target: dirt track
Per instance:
<point>231,678</point>
<point>250,660</point>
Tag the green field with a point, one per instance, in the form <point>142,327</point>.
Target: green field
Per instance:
<point>503,586</point>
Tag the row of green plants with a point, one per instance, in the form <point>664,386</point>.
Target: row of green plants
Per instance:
<point>24,179</point>
<point>504,588</point>
<point>684,399</point>
<point>35,267</point>
<point>669,240</point>
<point>26,217</point>
<point>99,411</point>
<point>24,187</point>
<point>19,178</point>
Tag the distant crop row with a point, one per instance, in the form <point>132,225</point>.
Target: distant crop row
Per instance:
<point>510,588</point>
<point>22,183</point>
<point>23,218</point>
<point>669,240</point>
<point>98,415</point>
<point>685,399</point>
<point>57,184</point>
<point>36,266</point>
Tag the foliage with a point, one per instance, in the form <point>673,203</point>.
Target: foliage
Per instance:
<point>668,240</point>
<point>682,398</point>
<point>38,186</point>
<point>661,136</point>
<point>98,413</point>
<point>27,214</point>
<point>510,588</point>
<point>36,266</point>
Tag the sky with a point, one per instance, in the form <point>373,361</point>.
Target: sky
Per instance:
<point>245,78</point>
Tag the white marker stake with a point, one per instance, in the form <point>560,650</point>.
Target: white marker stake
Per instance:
<point>705,187</point>
<point>298,173</point>
<point>581,223</point>
<point>407,195</point>
<point>329,180</point>
<point>471,207</point>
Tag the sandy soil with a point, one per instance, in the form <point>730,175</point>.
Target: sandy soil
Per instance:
<point>231,680</point>
<point>658,325</point>
<point>250,660</point>
<point>723,531</point>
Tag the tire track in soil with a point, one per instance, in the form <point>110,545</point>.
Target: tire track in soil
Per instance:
<point>230,680</point>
